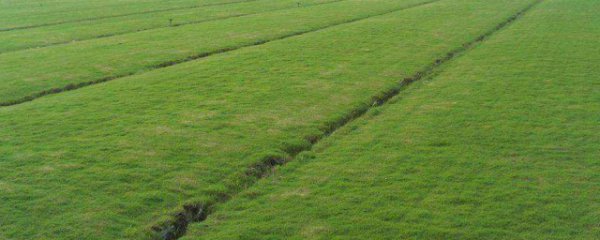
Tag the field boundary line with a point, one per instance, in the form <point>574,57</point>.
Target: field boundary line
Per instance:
<point>198,212</point>
<point>74,86</point>
<point>121,15</point>
<point>170,26</point>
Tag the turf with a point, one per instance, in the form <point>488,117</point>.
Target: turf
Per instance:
<point>16,14</point>
<point>64,67</point>
<point>78,31</point>
<point>114,159</point>
<point>501,143</point>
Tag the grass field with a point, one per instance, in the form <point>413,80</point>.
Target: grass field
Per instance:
<point>150,131</point>
<point>18,14</point>
<point>500,144</point>
<point>105,59</point>
<point>78,31</point>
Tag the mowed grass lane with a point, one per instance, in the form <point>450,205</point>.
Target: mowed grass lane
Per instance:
<point>502,144</point>
<point>77,31</point>
<point>18,14</point>
<point>58,68</point>
<point>111,160</point>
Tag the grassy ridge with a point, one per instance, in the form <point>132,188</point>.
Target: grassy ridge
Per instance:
<point>24,14</point>
<point>501,144</point>
<point>62,67</point>
<point>107,161</point>
<point>64,33</point>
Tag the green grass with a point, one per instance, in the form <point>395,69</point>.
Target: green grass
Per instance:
<point>31,13</point>
<point>111,160</point>
<point>65,66</point>
<point>77,31</point>
<point>502,143</point>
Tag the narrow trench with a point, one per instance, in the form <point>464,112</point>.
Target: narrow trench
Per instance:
<point>152,28</point>
<point>74,86</point>
<point>120,15</point>
<point>198,212</point>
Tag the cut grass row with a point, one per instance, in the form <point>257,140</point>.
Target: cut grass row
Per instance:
<point>500,144</point>
<point>59,68</point>
<point>77,31</point>
<point>112,160</point>
<point>29,14</point>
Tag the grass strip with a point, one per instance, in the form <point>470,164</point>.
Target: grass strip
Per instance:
<point>81,31</point>
<point>115,160</point>
<point>63,68</point>
<point>500,143</point>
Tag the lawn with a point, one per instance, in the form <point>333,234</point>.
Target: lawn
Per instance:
<point>115,159</point>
